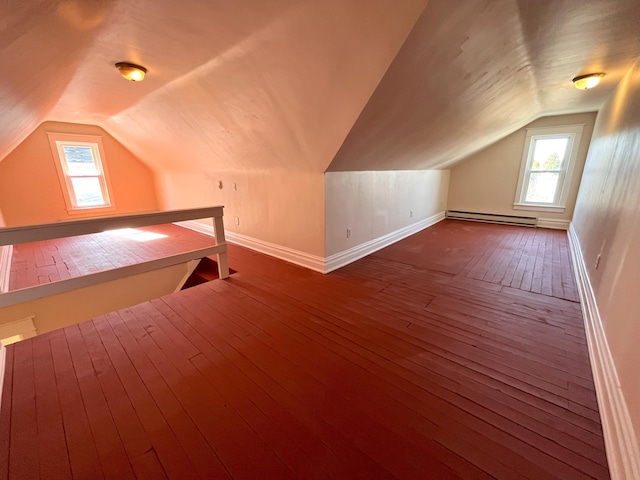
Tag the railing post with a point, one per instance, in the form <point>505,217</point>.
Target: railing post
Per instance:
<point>223,261</point>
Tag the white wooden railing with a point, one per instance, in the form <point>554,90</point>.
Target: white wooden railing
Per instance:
<point>32,233</point>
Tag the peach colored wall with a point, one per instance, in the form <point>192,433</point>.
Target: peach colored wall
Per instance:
<point>607,222</point>
<point>294,209</point>
<point>30,190</point>
<point>486,181</point>
<point>373,204</point>
<point>280,207</point>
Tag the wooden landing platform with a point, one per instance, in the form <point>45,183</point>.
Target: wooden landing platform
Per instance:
<point>47,261</point>
<point>456,353</point>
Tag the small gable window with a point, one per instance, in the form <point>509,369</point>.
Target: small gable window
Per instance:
<point>80,162</point>
<point>547,166</point>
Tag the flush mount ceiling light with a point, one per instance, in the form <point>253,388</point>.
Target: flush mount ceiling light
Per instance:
<point>131,71</point>
<point>585,82</point>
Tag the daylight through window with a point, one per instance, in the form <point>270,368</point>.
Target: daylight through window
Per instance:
<point>81,170</point>
<point>547,166</point>
<point>548,155</point>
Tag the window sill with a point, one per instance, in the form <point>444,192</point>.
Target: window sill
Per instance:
<point>90,211</point>
<point>540,208</point>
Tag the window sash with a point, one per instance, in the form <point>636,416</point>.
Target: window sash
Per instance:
<point>92,200</point>
<point>573,135</point>
<point>556,194</point>
<point>103,192</point>
<point>73,195</point>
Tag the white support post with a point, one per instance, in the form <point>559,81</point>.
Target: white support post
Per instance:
<point>223,261</point>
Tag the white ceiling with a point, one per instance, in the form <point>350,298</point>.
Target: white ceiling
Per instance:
<point>255,85</point>
<point>248,84</point>
<point>474,71</point>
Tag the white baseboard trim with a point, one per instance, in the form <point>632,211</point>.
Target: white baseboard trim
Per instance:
<point>346,257</point>
<point>3,365</point>
<point>312,262</point>
<point>6,252</point>
<point>196,226</point>
<point>621,444</point>
<point>553,223</point>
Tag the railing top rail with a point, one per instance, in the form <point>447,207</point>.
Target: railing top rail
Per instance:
<point>33,233</point>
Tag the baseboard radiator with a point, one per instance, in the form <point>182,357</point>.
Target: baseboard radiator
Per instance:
<point>492,218</point>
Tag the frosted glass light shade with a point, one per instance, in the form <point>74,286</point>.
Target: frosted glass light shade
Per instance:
<point>131,71</point>
<point>585,82</point>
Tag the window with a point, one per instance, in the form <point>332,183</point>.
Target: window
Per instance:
<point>81,169</point>
<point>547,166</point>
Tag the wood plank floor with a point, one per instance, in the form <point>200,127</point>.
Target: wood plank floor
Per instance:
<point>37,263</point>
<point>456,353</point>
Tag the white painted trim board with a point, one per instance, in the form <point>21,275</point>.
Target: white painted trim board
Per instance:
<point>303,259</point>
<point>315,262</point>
<point>312,262</point>
<point>32,233</point>
<point>340,259</point>
<point>553,223</point>
<point>621,444</point>
<point>6,253</point>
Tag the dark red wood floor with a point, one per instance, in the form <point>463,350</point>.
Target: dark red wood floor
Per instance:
<point>456,353</point>
<point>47,261</point>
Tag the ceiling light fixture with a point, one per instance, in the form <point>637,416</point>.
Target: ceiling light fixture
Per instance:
<point>585,82</point>
<point>131,71</point>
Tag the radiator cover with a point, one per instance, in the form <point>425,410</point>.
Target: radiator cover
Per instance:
<point>493,218</point>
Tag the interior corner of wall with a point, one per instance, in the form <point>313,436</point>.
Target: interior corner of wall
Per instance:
<point>163,189</point>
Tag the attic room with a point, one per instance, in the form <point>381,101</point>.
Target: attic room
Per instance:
<point>359,325</point>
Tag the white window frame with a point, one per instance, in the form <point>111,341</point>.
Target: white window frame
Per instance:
<point>57,141</point>
<point>574,134</point>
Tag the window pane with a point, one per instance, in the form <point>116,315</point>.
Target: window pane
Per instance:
<point>87,191</point>
<point>542,187</point>
<point>80,160</point>
<point>548,153</point>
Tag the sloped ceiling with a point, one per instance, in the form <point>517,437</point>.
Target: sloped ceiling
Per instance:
<point>279,84</point>
<point>41,44</point>
<point>249,84</point>
<point>474,71</point>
